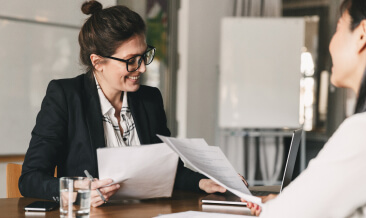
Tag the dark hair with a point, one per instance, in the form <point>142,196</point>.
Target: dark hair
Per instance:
<point>361,98</point>
<point>106,29</point>
<point>356,9</point>
<point>357,12</point>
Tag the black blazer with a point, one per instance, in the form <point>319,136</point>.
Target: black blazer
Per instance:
<point>69,129</point>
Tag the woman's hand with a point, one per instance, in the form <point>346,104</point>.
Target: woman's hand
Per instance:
<point>255,209</point>
<point>210,186</point>
<point>107,192</point>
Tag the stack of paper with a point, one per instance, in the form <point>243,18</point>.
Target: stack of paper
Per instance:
<point>211,162</point>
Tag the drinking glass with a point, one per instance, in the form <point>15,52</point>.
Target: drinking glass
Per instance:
<point>75,196</point>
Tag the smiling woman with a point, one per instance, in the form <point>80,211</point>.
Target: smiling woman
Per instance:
<point>105,107</point>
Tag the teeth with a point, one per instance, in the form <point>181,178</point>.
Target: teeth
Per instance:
<point>134,77</point>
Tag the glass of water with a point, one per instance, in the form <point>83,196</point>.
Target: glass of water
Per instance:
<point>74,196</point>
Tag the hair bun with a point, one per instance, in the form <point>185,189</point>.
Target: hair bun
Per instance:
<point>91,7</point>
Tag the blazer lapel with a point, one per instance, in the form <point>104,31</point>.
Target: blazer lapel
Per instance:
<point>139,116</point>
<point>93,115</point>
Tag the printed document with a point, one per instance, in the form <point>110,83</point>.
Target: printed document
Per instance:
<point>198,214</point>
<point>143,172</point>
<point>211,162</point>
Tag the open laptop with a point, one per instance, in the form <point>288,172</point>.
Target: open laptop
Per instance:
<point>229,198</point>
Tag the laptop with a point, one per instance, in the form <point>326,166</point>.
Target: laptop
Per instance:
<point>229,198</point>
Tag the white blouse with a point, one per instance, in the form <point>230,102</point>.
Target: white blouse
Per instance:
<point>334,183</point>
<point>112,133</point>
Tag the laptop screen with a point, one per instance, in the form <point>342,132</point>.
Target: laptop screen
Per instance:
<point>291,159</point>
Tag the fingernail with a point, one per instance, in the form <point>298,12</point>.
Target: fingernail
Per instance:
<point>117,185</point>
<point>110,180</point>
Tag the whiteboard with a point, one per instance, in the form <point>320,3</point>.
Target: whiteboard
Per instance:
<point>31,55</point>
<point>259,84</point>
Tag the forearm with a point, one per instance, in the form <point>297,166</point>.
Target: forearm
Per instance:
<point>37,184</point>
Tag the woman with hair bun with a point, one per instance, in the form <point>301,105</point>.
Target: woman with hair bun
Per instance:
<point>333,185</point>
<point>105,107</point>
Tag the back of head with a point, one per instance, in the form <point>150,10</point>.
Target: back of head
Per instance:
<point>106,29</point>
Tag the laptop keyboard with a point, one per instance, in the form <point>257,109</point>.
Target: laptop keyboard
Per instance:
<point>262,193</point>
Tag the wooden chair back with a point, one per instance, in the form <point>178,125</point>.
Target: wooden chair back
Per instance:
<point>13,172</point>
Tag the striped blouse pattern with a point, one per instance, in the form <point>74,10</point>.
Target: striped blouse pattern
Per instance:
<point>112,133</point>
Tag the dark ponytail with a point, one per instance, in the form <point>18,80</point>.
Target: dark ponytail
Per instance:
<point>106,29</point>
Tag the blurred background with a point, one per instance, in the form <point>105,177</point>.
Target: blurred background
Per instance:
<point>201,67</point>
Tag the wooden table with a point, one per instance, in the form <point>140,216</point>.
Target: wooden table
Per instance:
<point>179,202</point>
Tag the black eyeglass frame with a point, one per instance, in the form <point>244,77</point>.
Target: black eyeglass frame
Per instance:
<point>143,57</point>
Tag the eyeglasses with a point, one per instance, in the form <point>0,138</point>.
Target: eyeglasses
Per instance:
<point>134,63</point>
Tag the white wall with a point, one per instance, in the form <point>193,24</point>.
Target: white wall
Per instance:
<point>198,45</point>
<point>137,6</point>
<point>39,42</point>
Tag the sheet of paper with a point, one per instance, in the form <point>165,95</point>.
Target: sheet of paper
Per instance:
<point>199,214</point>
<point>197,142</point>
<point>211,162</point>
<point>146,171</point>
